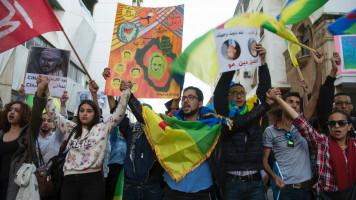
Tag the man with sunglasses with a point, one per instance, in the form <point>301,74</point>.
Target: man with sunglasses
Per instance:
<point>329,102</point>
<point>291,152</point>
<point>342,101</point>
<point>242,149</point>
<point>289,147</point>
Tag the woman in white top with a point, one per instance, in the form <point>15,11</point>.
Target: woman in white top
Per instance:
<point>86,146</point>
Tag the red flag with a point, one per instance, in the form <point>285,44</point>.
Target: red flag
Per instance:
<point>22,20</point>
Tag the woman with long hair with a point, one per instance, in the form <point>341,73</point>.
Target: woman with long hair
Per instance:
<point>336,153</point>
<point>18,126</point>
<point>86,146</point>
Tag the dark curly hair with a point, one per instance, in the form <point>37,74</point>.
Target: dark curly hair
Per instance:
<point>25,114</point>
<point>79,128</point>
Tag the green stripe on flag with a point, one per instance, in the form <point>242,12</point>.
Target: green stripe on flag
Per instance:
<point>119,186</point>
<point>202,134</point>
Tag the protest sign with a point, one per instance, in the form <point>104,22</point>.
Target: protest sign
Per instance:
<point>346,46</point>
<point>145,42</point>
<point>86,95</point>
<point>51,62</point>
<point>235,48</point>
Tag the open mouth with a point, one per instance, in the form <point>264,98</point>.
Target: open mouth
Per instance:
<point>11,117</point>
<point>186,106</point>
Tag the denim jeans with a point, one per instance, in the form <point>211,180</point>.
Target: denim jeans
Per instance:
<point>89,186</point>
<point>170,194</point>
<point>290,193</point>
<point>236,189</point>
<point>142,192</point>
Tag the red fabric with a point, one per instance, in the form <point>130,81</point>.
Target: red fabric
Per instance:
<point>22,20</point>
<point>345,175</point>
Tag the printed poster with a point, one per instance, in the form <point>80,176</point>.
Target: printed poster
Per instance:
<point>51,62</point>
<point>145,42</point>
<point>235,48</point>
<point>346,46</point>
<point>86,95</point>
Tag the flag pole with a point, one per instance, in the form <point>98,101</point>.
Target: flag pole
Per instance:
<point>300,74</point>
<point>304,46</point>
<point>71,45</point>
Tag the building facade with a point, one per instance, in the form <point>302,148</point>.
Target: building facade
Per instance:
<point>78,23</point>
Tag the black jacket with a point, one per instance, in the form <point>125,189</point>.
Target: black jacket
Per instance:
<point>21,156</point>
<point>238,155</point>
<point>324,106</point>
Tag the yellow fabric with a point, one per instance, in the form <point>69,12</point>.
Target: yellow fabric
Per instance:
<point>171,145</point>
<point>293,50</point>
<point>251,102</point>
<point>290,11</point>
<point>203,61</point>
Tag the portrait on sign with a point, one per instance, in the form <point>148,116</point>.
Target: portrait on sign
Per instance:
<point>145,41</point>
<point>236,48</point>
<point>86,95</point>
<point>50,62</point>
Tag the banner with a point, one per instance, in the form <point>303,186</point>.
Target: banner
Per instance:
<point>346,46</point>
<point>236,48</point>
<point>145,42</point>
<point>23,20</point>
<point>51,62</point>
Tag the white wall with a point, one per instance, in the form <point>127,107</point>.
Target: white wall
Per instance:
<point>80,28</point>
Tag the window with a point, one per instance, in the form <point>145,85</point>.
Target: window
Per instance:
<point>76,74</point>
<point>37,41</point>
<point>305,41</point>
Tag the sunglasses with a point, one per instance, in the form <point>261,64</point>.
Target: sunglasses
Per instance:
<point>290,142</point>
<point>341,123</point>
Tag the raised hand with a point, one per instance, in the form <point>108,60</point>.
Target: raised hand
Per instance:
<point>42,84</point>
<point>261,52</point>
<point>21,92</point>
<point>335,61</point>
<point>106,73</point>
<point>318,56</point>
<point>93,87</point>
<point>304,85</point>
<point>64,98</point>
<point>125,84</point>
<point>274,93</point>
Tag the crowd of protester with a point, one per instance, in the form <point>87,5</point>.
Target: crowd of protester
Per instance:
<point>313,144</point>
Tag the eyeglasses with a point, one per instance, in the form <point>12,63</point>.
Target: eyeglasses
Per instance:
<point>189,97</point>
<point>343,102</point>
<point>242,93</point>
<point>341,123</point>
<point>290,142</point>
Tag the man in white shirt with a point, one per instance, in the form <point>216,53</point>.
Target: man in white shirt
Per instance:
<point>49,141</point>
